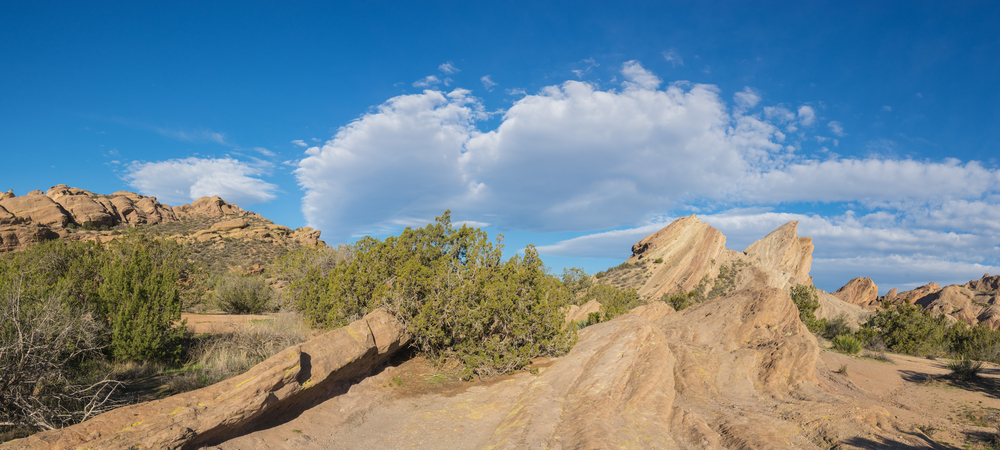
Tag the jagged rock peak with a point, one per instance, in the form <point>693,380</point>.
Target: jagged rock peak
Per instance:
<point>861,291</point>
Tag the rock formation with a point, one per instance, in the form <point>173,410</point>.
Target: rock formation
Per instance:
<point>293,379</point>
<point>861,291</point>
<point>63,210</point>
<point>973,303</point>
<point>690,254</point>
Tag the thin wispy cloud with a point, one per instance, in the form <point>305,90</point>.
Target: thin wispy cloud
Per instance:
<point>588,65</point>
<point>836,128</point>
<point>300,143</point>
<point>448,68</point>
<point>673,57</point>
<point>487,82</point>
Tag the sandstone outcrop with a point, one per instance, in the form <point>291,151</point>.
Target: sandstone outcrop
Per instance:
<point>974,303</point>
<point>63,211</point>
<point>861,291</point>
<point>693,255</point>
<point>295,378</point>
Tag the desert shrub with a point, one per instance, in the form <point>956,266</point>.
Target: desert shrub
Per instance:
<point>658,260</point>
<point>614,302</point>
<point>295,266</point>
<point>453,291</point>
<point>807,301</point>
<point>907,329</point>
<point>976,342</point>
<point>965,368</point>
<point>837,327</point>
<point>576,280</point>
<point>847,344</point>
<point>44,339</point>
<point>244,294</point>
<point>138,298</point>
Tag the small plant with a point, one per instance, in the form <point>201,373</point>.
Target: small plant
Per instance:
<point>927,429</point>
<point>658,260</point>
<point>878,356</point>
<point>964,368</point>
<point>847,344</point>
<point>842,370</point>
<point>237,294</point>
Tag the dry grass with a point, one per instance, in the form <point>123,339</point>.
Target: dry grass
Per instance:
<point>223,356</point>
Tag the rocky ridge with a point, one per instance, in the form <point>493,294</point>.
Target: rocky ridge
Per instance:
<point>72,213</point>
<point>689,254</point>
<point>737,371</point>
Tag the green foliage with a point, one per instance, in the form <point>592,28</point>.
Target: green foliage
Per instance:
<point>454,292</point>
<point>836,327</point>
<point>964,368</point>
<point>977,342</point>
<point>658,260</point>
<point>576,280</point>
<point>807,301</point>
<point>847,344</point>
<point>614,302</point>
<point>138,298</point>
<point>244,294</point>
<point>908,329</point>
<point>295,266</point>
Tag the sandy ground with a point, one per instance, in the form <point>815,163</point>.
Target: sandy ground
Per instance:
<point>412,405</point>
<point>219,323</point>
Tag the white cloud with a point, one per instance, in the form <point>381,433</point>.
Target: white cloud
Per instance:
<point>573,157</point>
<point>746,99</point>
<point>516,91</point>
<point>589,65</point>
<point>638,77</point>
<point>807,115</point>
<point>887,108</point>
<point>179,181</point>
<point>263,151</point>
<point>427,81</point>
<point>448,68</point>
<point>673,57</point>
<point>300,143</point>
<point>836,128</point>
<point>487,82</point>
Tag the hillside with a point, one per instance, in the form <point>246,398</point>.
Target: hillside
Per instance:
<point>739,370</point>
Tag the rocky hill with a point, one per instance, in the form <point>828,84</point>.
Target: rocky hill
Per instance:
<point>71,213</point>
<point>690,255</point>
<point>974,303</point>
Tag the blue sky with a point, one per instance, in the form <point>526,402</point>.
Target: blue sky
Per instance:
<point>579,127</point>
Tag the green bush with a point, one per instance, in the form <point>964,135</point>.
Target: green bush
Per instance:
<point>964,368</point>
<point>614,302</point>
<point>244,294</point>
<point>907,329</point>
<point>836,327</point>
<point>138,297</point>
<point>807,301</point>
<point>847,344</point>
<point>658,260</point>
<point>576,280</point>
<point>454,293</point>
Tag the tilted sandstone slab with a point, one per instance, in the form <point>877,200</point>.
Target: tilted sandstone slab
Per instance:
<point>293,379</point>
<point>861,291</point>
<point>39,208</point>
<point>739,371</point>
<point>985,284</point>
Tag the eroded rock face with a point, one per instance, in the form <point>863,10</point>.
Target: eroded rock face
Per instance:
<point>985,284</point>
<point>294,378</point>
<point>861,291</point>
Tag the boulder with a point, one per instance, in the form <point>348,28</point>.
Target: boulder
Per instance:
<point>582,312</point>
<point>231,224</point>
<point>294,379</point>
<point>861,291</point>
<point>985,284</point>
<point>81,206</point>
<point>39,208</point>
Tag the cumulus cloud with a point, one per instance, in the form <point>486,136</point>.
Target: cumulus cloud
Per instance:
<point>428,81</point>
<point>576,158</point>
<point>177,181</point>
<point>638,77</point>
<point>487,82</point>
<point>448,68</point>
